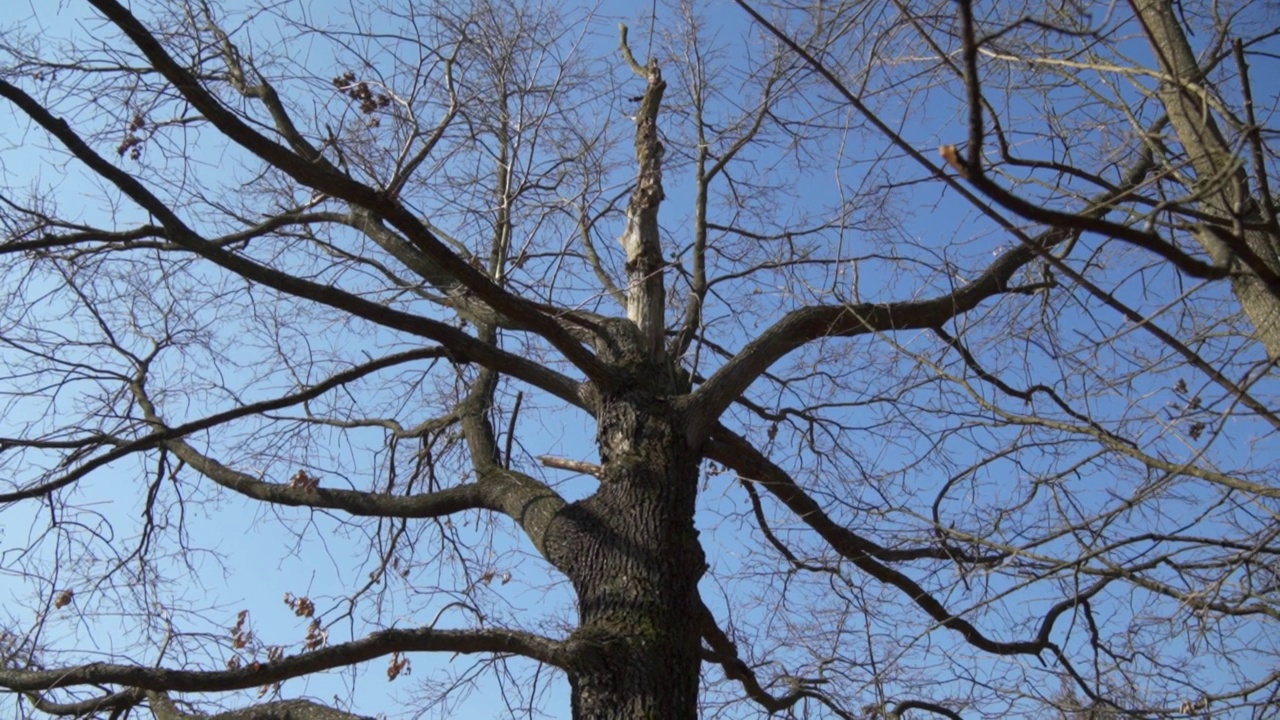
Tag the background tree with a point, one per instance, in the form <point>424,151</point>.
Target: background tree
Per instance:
<point>838,425</point>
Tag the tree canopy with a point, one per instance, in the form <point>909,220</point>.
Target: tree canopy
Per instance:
<point>879,359</point>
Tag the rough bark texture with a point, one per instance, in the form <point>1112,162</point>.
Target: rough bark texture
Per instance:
<point>631,550</point>
<point>646,294</point>
<point>636,559</point>
<point>162,708</point>
<point>1222,181</point>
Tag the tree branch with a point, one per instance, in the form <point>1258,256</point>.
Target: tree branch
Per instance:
<point>459,343</point>
<point>735,452</point>
<point>725,653</point>
<point>166,434</point>
<point>646,293</point>
<point>807,324</point>
<point>376,645</point>
<point>330,181</point>
<point>298,709</point>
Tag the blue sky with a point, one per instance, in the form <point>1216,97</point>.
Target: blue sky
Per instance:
<point>251,555</point>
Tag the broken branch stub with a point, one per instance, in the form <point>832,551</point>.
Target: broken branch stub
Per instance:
<point>646,295</point>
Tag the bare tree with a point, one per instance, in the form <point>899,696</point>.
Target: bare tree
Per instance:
<point>927,351</point>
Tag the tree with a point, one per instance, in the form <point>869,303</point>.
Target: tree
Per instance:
<point>874,432</point>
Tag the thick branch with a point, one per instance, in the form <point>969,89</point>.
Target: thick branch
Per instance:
<point>807,324</point>
<point>532,504</point>
<point>460,344</point>
<point>114,702</point>
<point>165,709</point>
<point>725,653</point>
<point>478,313</point>
<point>166,434</point>
<point>636,67</point>
<point>529,502</point>
<point>378,644</point>
<point>1221,178</point>
<point>470,496</point>
<point>743,457</point>
<point>1058,264</point>
<point>332,182</point>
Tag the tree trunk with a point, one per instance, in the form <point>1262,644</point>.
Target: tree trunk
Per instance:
<point>1222,183</point>
<point>637,560</point>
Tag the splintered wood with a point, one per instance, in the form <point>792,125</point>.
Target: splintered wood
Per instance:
<point>646,294</point>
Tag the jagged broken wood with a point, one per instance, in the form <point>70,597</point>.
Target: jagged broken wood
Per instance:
<point>646,295</point>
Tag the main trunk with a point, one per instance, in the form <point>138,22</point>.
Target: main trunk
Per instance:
<point>637,560</point>
<point>634,557</point>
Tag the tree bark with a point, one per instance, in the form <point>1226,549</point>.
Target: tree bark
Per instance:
<point>636,559</point>
<point>162,708</point>
<point>646,293</point>
<point>1222,182</point>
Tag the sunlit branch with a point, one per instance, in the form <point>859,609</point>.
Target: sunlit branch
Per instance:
<point>578,466</point>
<point>646,291</point>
